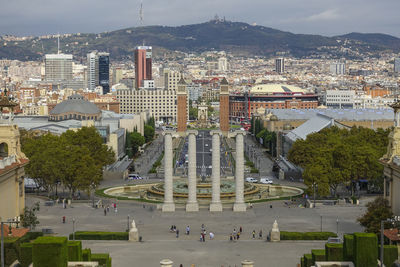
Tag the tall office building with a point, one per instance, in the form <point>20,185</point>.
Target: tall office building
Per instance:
<point>280,65</point>
<point>171,79</point>
<point>397,65</point>
<point>338,68</point>
<point>58,67</point>
<point>143,65</point>
<point>104,72</point>
<point>98,71</point>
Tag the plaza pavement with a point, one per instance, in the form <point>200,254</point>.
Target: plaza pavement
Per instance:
<point>159,243</point>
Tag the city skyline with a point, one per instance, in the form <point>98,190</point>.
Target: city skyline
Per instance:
<point>325,18</point>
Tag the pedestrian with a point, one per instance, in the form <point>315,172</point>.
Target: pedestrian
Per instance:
<point>240,229</point>
<point>238,236</point>
<point>63,219</point>
<point>234,231</point>
<point>201,237</point>
<point>108,208</point>
<point>116,210</point>
<point>115,205</point>
<point>260,234</point>
<point>211,235</point>
<point>187,230</point>
<point>230,237</point>
<point>177,233</point>
<point>254,234</point>
<point>172,228</point>
<point>105,212</point>
<point>180,265</point>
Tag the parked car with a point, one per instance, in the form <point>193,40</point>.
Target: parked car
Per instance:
<point>133,176</point>
<point>334,240</point>
<point>251,180</point>
<point>266,180</point>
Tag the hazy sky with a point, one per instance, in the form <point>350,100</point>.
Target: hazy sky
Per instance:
<point>326,17</point>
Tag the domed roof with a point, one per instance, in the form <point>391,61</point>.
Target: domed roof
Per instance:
<point>75,103</point>
<point>273,118</point>
<point>287,126</point>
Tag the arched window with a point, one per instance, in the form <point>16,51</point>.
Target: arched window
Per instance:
<point>3,150</point>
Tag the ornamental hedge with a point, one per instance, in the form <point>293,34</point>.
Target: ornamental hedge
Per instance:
<point>50,251</point>
<point>74,251</point>
<point>92,235</point>
<point>11,250</point>
<point>308,260</point>
<point>365,252</point>
<point>390,254</point>
<point>348,246</point>
<point>317,255</point>
<point>334,252</point>
<point>87,254</point>
<point>306,235</point>
<point>103,259</point>
<point>25,254</point>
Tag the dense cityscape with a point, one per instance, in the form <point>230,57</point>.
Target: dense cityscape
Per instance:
<point>161,156</point>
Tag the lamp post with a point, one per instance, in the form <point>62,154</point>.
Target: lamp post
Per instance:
<point>321,223</point>
<point>314,185</point>
<point>73,229</point>
<point>127,229</point>
<point>337,226</point>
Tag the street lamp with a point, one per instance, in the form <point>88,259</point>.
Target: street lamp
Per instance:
<point>337,226</point>
<point>321,223</point>
<point>73,229</point>
<point>127,229</point>
<point>314,185</point>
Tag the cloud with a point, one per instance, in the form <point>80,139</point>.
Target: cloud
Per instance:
<point>330,14</point>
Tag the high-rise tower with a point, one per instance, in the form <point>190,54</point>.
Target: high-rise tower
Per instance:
<point>224,106</point>
<point>104,72</point>
<point>143,65</point>
<point>280,65</point>
<point>58,67</point>
<point>98,70</point>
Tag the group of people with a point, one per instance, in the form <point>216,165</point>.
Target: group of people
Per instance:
<point>203,232</point>
<point>235,235</point>
<point>107,209</point>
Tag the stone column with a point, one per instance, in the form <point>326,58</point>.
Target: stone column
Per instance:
<point>168,205</point>
<point>166,263</point>
<point>239,173</point>
<point>192,204</point>
<point>216,168</point>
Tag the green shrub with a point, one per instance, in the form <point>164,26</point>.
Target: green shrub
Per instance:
<point>254,170</point>
<point>86,254</point>
<point>88,235</point>
<point>390,254</point>
<point>25,254</point>
<point>74,251</point>
<point>302,261</point>
<point>50,251</point>
<point>308,260</point>
<point>348,245</point>
<point>103,259</point>
<point>29,236</point>
<point>365,251</point>
<point>11,250</point>
<point>306,235</point>
<point>334,252</point>
<point>317,255</point>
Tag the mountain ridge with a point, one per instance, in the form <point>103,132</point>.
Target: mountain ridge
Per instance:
<point>236,37</point>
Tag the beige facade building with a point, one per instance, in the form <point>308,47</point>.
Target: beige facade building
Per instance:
<point>12,162</point>
<point>391,165</point>
<point>171,79</point>
<point>161,103</point>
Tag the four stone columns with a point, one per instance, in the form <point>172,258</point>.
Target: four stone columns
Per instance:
<point>192,204</point>
<point>168,205</point>
<point>239,173</point>
<point>216,168</point>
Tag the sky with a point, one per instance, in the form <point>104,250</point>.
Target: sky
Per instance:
<point>324,17</point>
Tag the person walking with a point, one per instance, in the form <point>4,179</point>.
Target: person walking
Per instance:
<point>177,233</point>
<point>187,230</point>
<point>105,212</point>
<point>253,234</point>
<point>260,234</point>
<point>240,229</point>
<point>238,236</point>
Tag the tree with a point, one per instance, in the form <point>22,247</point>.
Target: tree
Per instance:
<point>377,211</point>
<point>193,113</point>
<point>135,141</point>
<point>29,218</point>
<point>148,133</point>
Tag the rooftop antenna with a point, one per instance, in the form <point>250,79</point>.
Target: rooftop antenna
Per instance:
<point>58,43</point>
<point>141,17</point>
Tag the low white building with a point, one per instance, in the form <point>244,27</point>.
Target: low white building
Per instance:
<point>339,98</point>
